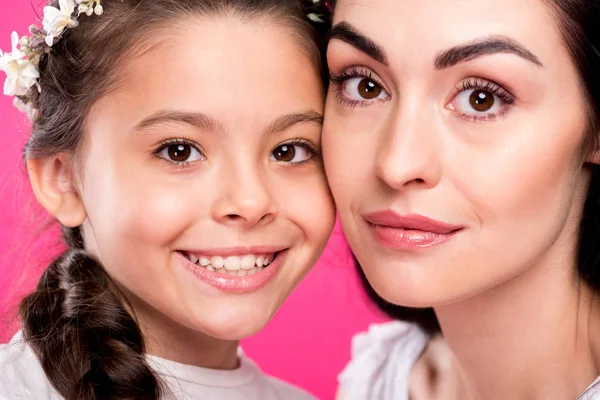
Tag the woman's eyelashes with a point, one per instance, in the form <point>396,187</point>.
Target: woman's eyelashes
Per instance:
<point>183,152</point>
<point>357,87</point>
<point>474,99</point>
<point>480,100</point>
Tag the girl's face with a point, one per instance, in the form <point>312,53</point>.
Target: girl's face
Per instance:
<point>203,168</point>
<point>454,143</point>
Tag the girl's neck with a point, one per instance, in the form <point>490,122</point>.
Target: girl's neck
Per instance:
<point>169,340</point>
<point>529,338</point>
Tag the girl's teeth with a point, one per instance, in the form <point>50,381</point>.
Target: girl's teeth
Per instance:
<point>247,262</point>
<point>217,262</point>
<point>232,263</point>
<point>204,261</point>
<point>260,261</point>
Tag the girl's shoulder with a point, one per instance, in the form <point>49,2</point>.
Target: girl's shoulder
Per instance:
<point>592,392</point>
<point>21,375</point>
<point>382,359</point>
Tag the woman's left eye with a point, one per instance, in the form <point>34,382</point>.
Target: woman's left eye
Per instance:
<point>481,100</point>
<point>179,152</point>
<point>293,153</point>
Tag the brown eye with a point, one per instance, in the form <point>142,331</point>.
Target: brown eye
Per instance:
<point>481,100</point>
<point>369,89</point>
<point>291,153</point>
<point>363,88</point>
<point>285,153</point>
<point>179,153</point>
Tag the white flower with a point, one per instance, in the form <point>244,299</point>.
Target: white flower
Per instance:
<point>88,8</point>
<point>16,54</point>
<point>26,108</point>
<point>315,17</point>
<point>56,20</point>
<point>21,74</point>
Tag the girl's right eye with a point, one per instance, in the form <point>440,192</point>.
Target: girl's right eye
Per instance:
<point>179,152</point>
<point>357,87</point>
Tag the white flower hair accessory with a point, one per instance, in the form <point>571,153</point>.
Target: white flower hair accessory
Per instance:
<point>316,14</point>
<point>21,65</point>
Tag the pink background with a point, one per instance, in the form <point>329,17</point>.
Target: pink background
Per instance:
<point>308,341</point>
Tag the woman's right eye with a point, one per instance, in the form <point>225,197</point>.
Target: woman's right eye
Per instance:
<point>362,88</point>
<point>179,152</point>
<point>357,87</point>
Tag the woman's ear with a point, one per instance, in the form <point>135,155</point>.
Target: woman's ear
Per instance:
<point>54,185</point>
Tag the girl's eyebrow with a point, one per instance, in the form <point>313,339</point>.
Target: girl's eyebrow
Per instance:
<point>208,123</point>
<point>288,120</point>
<point>197,119</point>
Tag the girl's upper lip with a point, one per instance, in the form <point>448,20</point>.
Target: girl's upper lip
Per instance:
<point>236,251</point>
<point>391,219</point>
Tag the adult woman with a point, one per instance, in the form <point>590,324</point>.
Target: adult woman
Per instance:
<point>191,194</point>
<point>463,160</point>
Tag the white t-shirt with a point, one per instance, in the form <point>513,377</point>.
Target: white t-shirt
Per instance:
<point>22,377</point>
<point>382,361</point>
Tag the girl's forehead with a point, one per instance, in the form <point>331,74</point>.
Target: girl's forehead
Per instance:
<point>224,78</point>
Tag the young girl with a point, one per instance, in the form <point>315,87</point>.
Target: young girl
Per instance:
<point>462,148</point>
<point>177,143</point>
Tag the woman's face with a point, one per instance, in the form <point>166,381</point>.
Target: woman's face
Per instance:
<point>454,143</point>
<point>205,194</point>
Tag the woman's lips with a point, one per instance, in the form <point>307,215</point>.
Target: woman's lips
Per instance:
<point>409,232</point>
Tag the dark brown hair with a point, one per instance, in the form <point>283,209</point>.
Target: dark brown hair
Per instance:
<point>89,344</point>
<point>579,23</point>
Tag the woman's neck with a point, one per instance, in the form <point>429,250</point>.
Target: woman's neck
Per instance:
<point>529,338</point>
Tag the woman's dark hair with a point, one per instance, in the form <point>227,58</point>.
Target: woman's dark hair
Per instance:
<point>579,22</point>
<point>77,321</point>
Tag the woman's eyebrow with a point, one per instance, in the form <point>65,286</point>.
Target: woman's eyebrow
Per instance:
<point>482,47</point>
<point>349,34</point>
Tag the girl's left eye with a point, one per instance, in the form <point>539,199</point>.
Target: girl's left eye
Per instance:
<point>481,100</point>
<point>293,153</point>
<point>179,152</point>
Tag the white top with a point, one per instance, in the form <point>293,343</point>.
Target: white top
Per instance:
<point>22,377</point>
<point>382,361</point>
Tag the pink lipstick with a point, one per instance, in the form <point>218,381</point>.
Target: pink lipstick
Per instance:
<point>408,232</point>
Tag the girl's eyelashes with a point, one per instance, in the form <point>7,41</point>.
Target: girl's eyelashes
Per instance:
<point>183,152</point>
<point>357,87</point>
<point>295,152</point>
<point>179,152</point>
<point>480,100</point>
